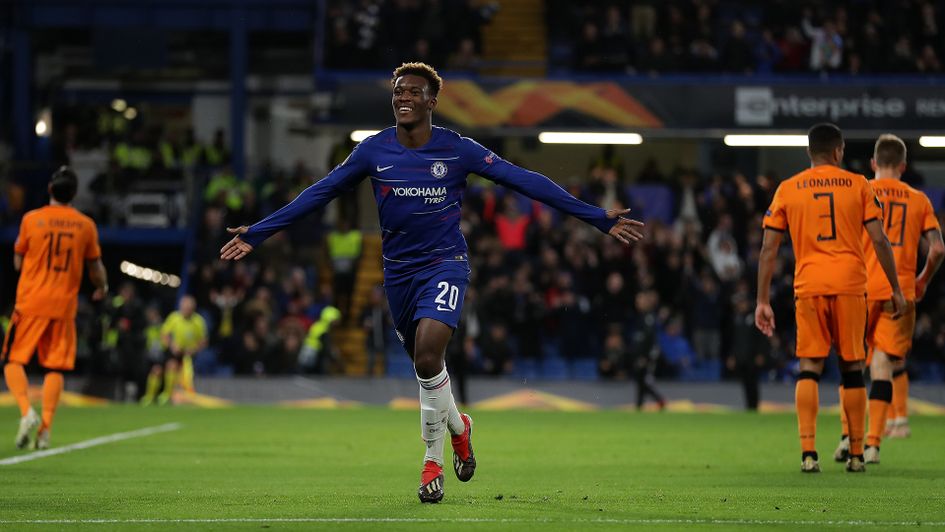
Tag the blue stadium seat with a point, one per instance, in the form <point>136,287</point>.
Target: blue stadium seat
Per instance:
<point>554,368</point>
<point>205,362</point>
<point>526,368</point>
<point>398,363</point>
<point>584,369</point>
<point>930,371</point>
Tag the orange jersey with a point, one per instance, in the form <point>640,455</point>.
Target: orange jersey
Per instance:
<point>55,242</point>
<point>908,215</point>
<point>825,208</point>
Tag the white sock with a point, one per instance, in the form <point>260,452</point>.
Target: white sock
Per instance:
<point>437,410</point>
<point>455,421</point>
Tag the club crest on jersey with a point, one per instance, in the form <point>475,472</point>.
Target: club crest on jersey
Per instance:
<point>489,158</point>
<point>438,169</point>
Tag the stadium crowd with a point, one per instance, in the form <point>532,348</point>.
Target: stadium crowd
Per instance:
<point>373,34</point>
<point>652,38</point>
<point>544,286</point>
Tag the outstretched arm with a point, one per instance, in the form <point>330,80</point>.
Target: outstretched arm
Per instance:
<point>543,189</point>
<point>343,178</point>
<point>933,260</point>
<point>764,315</point>
<point>888,261</point>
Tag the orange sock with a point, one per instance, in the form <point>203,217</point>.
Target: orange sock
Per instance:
<point>843,415</point>
<point>900,400</point>
<point>854,404</point>
<point>18,384</point>
<point>52,388</point>
<point>880,396</point>
<point>807,401</point>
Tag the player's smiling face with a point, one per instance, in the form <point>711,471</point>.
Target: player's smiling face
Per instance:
<point>411,100</point>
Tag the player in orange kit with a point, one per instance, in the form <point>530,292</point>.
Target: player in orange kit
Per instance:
<point>909,219</point>
<point>825,208</point>
<point>54,245</point>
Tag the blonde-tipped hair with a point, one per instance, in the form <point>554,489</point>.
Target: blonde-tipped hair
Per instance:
<point>420,69</point>
<point>890,151</point>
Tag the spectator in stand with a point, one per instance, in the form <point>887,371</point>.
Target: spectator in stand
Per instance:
<point>615,40</point>
<point>722,251</point>
<point>613,364</point>
<point>826,51</point>
<point>465,59</point>
<point>250,353</point>
<point>656,59</point>
<point>527,314</point>
<point>928,61</point>
<point>589,54</point>
<point>318,353</point>
<point>737,55</point>
<point>703,57</point>
<point>375,319</point>
<point>511,226</point>
<point>612,308</point>
<point>643,18</point>
<point>901,58</point>
<point>705,313</point>
<point>217,153</point>
<point>768,54</point>
<point>344,250</point>
<point>367,28</point>
<point>497,350</point>
<point>794,51</point>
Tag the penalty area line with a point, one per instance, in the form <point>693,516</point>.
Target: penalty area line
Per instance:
<point>101,440</point>
<point>447,520</point>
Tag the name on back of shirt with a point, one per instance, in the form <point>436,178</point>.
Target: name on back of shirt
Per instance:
<point>892,192</point>
<point>818,182</point>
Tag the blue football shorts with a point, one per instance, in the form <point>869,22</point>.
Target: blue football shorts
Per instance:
<point>435,293</point>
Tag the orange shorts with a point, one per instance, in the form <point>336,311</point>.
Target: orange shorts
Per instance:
<point>893,337</point>
<point>54,340</point>
<point>824,321</point>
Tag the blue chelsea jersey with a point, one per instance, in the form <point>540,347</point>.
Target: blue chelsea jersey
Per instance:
<point>419,194</point>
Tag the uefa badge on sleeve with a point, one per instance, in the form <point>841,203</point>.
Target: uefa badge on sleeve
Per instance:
<point>438,169</point>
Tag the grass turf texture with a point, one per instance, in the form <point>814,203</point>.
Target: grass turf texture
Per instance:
<point>537,471</point>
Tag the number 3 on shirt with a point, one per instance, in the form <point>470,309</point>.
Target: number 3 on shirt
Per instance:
<point>833,222</point>
<point>447,290</point>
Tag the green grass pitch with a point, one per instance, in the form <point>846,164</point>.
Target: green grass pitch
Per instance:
<point>268,468</point>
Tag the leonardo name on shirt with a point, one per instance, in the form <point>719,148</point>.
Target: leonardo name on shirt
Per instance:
<point>817,182</point>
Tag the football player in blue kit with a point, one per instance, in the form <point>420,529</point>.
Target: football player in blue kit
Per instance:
<point>418,173</point>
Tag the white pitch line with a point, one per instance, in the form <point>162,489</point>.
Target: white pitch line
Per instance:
<point>382,520</point>
<point>101,440</point>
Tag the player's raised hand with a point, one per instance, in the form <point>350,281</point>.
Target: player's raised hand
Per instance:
<point>236,248</point>
<point>625,228</point>
<point>764,319</point>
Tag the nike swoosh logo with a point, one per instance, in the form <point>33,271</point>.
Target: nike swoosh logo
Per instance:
<point>382,168</point>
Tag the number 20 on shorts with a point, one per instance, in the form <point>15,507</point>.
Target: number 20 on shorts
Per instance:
<point>448,297</point>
